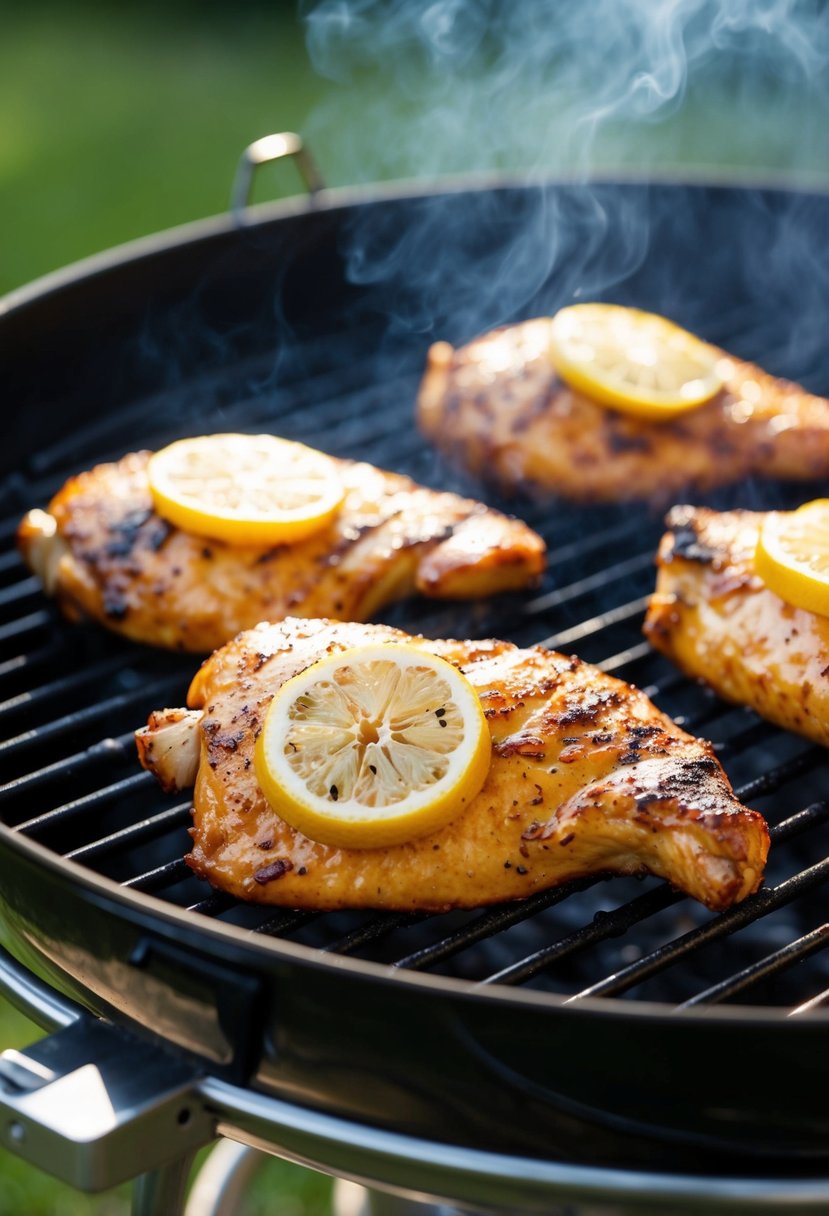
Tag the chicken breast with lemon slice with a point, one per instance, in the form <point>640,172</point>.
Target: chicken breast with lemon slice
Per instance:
<point>498,408</point>
<point>103,550</point>
<point>719,621</point>
<point>585,776</point>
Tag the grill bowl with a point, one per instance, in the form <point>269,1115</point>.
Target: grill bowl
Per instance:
<point>306,320</point>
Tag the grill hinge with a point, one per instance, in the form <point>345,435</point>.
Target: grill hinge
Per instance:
<point>95,1106</point>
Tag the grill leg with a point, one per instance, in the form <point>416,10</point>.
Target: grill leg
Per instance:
<point>222,1181</point>
<point>161,1192</point>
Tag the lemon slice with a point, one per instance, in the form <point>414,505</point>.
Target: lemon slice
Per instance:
<point>373,746</point>
<point>635,362</point>
<point>792,555</point>
<point>245,489</point>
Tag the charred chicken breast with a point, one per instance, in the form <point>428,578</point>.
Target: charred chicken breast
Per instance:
<point>498,408</point>
<point>586,777</point>
<point>103,551</point>
<point>717,620</point>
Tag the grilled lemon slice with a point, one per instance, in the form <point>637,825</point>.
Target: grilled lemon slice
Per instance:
<point>792,555</point>
<point>635,362</point>
<point>373,746</point>
<point>245,489</point>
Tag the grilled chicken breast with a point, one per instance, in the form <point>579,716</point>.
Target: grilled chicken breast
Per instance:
<point>586,777</point>
<point>718,621</point>
<point>498,408</point>
<point>104,553</point>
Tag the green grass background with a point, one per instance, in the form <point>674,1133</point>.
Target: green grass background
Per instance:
<point>121,119</point>
<point>118,120</point>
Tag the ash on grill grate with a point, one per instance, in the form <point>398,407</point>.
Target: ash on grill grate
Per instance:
<point>71,697</point>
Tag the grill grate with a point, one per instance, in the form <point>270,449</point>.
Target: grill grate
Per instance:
<point>72,696</point>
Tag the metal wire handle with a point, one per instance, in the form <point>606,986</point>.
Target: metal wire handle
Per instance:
<point>262,152</point>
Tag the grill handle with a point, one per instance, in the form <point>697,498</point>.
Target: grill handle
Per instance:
<point>262,152</point>
<point>90,1103</point>
<point>96,1106</point>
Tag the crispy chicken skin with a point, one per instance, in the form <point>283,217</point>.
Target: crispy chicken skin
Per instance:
<point>586,777</point>
<point>718,621</point>
<point>104,553</point>
<point>497,408</point>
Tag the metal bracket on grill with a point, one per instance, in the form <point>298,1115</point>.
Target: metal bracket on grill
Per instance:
<point>96,1106</point>
<point>262,152</point>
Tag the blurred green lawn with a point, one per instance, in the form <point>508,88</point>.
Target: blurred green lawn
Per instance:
<point>279,1186</point>
<point>118,120</point>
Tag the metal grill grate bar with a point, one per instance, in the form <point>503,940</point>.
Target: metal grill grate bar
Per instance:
<point>493,921</point>
<point>816,1002</point>
<point>616,923</point>
<point>594,542</point>
<point>19,663</point>
<point>625,658</point>
<point>618,572</point>
<point>71,684</point>
<point>771,965</point>
<point>596,624</point>
<point>285,922</point>
<point>105,751</point>
<point>153,825</point>
<point>766,900</point>
<point>89,802</point>
<point>88,716</point>
<point>25,626</point>
<point>11,560</point>
<point>159,878</point>
<point>213,905</point>
<point>26,589</point>
<point>372,931</point>
<point>768,782</point>
<point>603,926</point>
<point>182,417</point>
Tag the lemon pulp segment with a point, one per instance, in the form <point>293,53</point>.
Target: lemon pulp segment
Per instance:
<point>636,362</point>
<point>245,489</point>
<point>372,746</point>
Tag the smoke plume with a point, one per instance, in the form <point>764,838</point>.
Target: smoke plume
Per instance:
<point>561,89</point>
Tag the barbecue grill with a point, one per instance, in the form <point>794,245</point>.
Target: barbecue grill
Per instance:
<point>605,1042</point>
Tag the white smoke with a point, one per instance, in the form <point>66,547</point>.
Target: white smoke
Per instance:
<point>430,87</point>
<point>575,90</point>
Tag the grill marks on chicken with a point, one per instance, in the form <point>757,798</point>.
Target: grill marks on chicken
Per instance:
<point>586,777</point>
<point>104,553</point>
<point>497,408</point>
<point>716,619</point>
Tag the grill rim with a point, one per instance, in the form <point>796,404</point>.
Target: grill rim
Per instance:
<point>333,198</point>
<point>335,1145</point>
<point>134,912</point>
